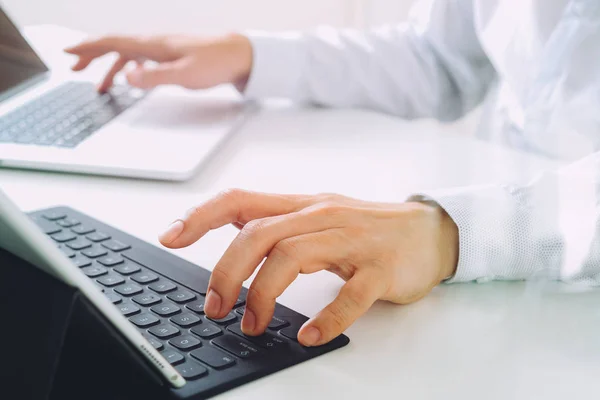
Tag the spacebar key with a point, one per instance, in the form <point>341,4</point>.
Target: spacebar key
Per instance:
<point>194,278</point>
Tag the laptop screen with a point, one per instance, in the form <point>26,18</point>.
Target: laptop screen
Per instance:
<point>18,62</point>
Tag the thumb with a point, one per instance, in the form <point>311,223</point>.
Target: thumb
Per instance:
<point>145,77</point>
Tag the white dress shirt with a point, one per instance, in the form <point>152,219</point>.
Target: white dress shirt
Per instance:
<point>537,64</point>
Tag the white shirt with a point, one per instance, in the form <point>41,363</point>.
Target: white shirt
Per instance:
<point>538,63</point>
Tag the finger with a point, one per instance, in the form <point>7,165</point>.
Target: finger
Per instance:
<point>300,254</point>
<point>247,251</point>
<point>128,46</point>
<point>82,63</point>
<point>354,299</point>
<point>107,82</point>
<point>163,74</point>
<point>228,207</point>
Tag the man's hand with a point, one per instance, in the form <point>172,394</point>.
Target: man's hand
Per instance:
<point>189,62</point>
<point>394,252</point>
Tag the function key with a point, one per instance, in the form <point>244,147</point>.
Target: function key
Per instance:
<point>127,268</point>
<point>185,320</point>
<point>128,309</point>
<point>191,370</point>
<point>115,245</point>
<point>93,272</point>
<point>81,262</point>
<point>110,261</point>
<point>82,230</point>
<point>79,244</point>
<point>144,277</point>
<point>113,297</point>
<point>237,346</point>
<point>63,237</point>
<point>129,289</point>
<point>94,252</point>
<point>54,215</point>
<point>185,342</point>
<point>166,309</point>
<point>213,357</point>
<point>196,306</point>
<point>163,287</point>
<point>173,357</point>
<point>206,331</point>
<point>181,296</point>
<point>144,320</point>
<point>147,299</point>
<point>111,280</point>
<point>225,320</point>
<point>98,236</point>
<point>277,323</point>
<point>68,252</point>
<point>68,222</point>
<point>164,331</point>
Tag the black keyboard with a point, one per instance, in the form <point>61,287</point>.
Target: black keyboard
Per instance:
<point>163,296</point>
<point>65,116</point>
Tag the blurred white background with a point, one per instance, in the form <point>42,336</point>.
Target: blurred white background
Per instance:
<point>200,16</point>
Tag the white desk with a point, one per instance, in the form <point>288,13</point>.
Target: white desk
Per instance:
<point>486,341</point>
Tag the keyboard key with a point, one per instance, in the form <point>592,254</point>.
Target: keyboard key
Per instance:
<point>81,262</point>
<point>127,268</point>
<point>144,277</point>
<point>291,332</point>
<point>68,222</point>
<point>128,289</point>
<point>164,331</point>
<point>115,245</point>
<point>163,287</point>
<point>79,244</point>
<point>277,323</point>
<point>196,306</point>
<point>213,357</point>
<point>144,320</point>
<point>185,342</point>
<point>48,227</point>
<point>147,299</point>
<point>226,319</point>
<point>173,357</point>
<point>54,215</point>
<point>181,296</point>
<point>266,340</point>
<point>94,252</point>
<point>67,251</point>
<point>82,230</point>
<point>63,236</point>
<point>155,343</point>
<point>128,309</point>
<point>166,309</point>
<point>237,346</point>
<point>98,237</point>
<point>111,280</point>
<point>206,331</point>
<point>113,297</point>
<point>241,300</point>
<point>111,261</point>
<point>93,272</point>
<point>185,320</point>
<point>241,310</point>
<point>191,370</point>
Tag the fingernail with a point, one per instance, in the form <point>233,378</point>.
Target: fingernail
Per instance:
<point>213,303</point>
<point>310,336</point>
<point>172,232</point>
<point>249,321</point>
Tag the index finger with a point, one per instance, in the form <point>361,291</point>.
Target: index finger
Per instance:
<point>128,46</point>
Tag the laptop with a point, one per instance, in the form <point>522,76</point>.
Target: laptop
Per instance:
<point>155,300</point>
<point>57,121</point>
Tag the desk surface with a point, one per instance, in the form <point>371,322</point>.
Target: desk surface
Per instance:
<point>470,341</point>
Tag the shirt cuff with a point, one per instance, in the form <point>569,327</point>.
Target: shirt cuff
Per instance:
<point>278,65</point>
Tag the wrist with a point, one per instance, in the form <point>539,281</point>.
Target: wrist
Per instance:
<point>448,245</point>
<point>239,49</point>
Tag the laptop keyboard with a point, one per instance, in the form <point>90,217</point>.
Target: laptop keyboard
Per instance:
<point>65,116</point>
<point>212,352</point>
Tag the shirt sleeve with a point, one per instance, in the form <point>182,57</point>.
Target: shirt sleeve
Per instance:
<point>547,229</point>
<point>431,66</point>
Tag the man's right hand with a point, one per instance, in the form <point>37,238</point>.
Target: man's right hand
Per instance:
<point>186,61</point>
